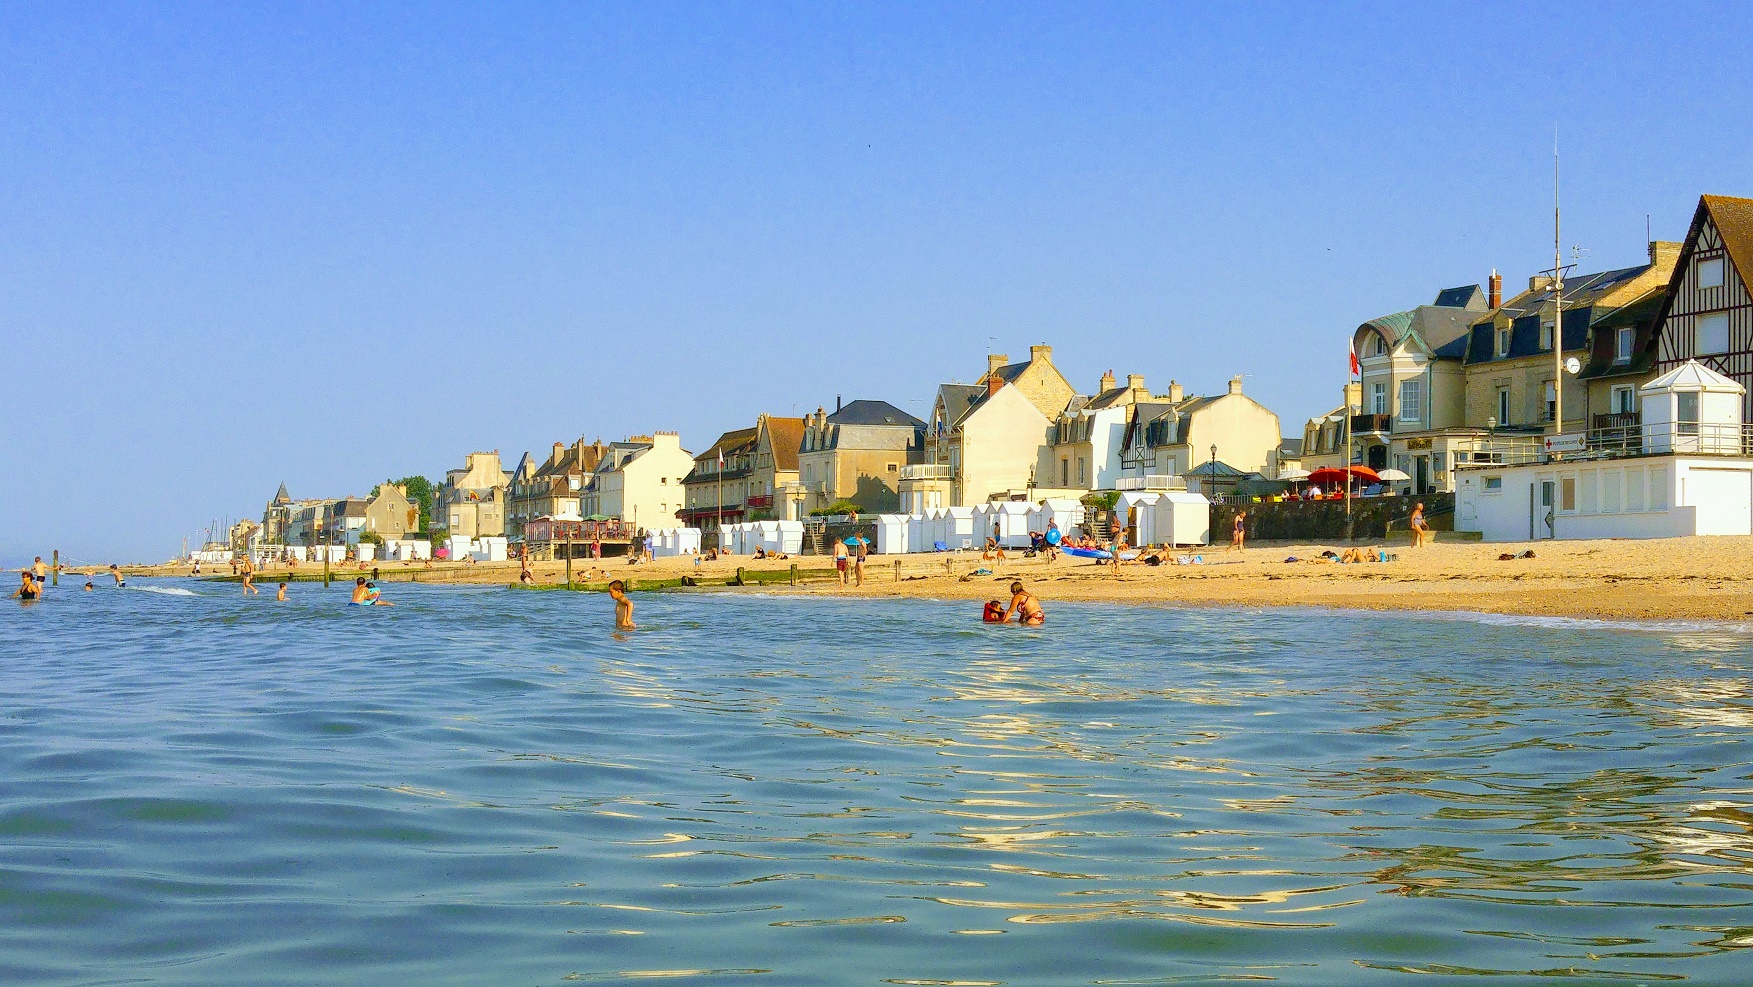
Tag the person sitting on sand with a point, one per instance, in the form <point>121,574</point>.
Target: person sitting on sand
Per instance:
<point>994,550</point>
<point>623,606</point>
<point>1353,555</point>
<point>1025,605</point>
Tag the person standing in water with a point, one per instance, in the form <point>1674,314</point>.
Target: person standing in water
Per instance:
<point>249,577</point>
<point>120,582</point>
<point>28,589</point>
<point>623,606</point>
<point>280,596</point>
<point>1025,605</point>
<point>39,573</point>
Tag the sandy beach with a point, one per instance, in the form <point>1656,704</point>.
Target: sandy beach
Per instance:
<point>1697,578</point>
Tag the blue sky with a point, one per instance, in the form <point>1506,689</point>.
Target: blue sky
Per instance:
<point>326,244</point>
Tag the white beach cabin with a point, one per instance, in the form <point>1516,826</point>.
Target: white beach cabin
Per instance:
<point>1140,506</point>
<point>1181,518</point>
<point>891,536</point>
<point>959,528</point>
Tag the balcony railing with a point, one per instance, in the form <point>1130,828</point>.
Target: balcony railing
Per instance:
<point>928,471</point>
<point>756,501</point>
<point>1151,481</point>
<point>1367,424</point>
<point>1661,438</point>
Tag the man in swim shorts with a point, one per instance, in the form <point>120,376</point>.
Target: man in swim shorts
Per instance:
<point>841,562</point>
<point>120,582</point>
<point>249,577</point>
<point>361,596</point>
<point>1025,605</point>
<point>280,596</point>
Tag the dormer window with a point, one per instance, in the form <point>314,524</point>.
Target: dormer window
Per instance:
<point>1503,342</point>
<point>1622,346</point>
<point>1545,335</point>
<point>1378,347</point>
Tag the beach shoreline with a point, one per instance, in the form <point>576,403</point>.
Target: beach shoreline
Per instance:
<point>1669,579</point>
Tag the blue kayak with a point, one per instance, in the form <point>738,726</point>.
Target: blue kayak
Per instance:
<point>1089,553</point>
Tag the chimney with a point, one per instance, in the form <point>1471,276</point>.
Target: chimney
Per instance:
<point>1135,382</point>
<point>557,448</point>
<point>993,383</point>
<point>1176,396</point>
<point>836,404</point>
<point>1494,291</point>
<point>1664,251</point>
<point>1107,382</point>
<point>1236,384</point>
<point>994,361</point>
<point>1354,396</point>
<point>1043,353</point>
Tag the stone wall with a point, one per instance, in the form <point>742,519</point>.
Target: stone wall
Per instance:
<point>1325,520</point>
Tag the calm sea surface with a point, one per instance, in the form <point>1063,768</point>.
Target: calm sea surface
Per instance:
<point>486,787</point>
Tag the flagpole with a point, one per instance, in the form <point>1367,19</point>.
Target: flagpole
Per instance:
<point>1352,370</point>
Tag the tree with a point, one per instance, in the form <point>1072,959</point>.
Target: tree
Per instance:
<point>420,493</point>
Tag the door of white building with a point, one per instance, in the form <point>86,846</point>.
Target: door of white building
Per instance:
<point>1544,508</point>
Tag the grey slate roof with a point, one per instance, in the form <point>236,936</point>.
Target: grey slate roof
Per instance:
<point>865,412</point>
<point>958,400</point>
<point>1459,297</point>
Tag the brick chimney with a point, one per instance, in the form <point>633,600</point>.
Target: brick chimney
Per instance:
<point>1176,395</point>
<point>994,361</point>
<point>993,383</point>
<point>1494,290</point>
<point>1107,383</point>
<point>1236,384</point>
<point>1664,251</point>
<point>1043,353</point>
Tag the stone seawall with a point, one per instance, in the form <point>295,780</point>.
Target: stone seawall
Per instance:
<point>1372,518</point>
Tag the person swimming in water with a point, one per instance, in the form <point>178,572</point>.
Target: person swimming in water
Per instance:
<point>1025,605</point>
<point>374,596</point>
<point>27,588</point>
<point>361,596</point>
<point>280,595</point>
<point>623,606</point>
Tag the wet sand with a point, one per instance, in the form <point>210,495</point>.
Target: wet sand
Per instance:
<point>1691,578</point>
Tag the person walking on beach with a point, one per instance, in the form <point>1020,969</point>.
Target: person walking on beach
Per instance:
<point>1241,531</point>
<point>1025,605</point>
<point>1420,527</point>
<point>623,606</point>
<point>840,561</point>
<point>858,555</point>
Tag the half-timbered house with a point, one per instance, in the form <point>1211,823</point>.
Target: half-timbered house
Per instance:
<point>1708,315</point>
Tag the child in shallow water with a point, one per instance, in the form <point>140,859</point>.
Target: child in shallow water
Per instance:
<point>623,606</point>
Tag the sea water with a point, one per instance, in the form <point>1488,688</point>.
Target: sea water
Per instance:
<point>488,787</point>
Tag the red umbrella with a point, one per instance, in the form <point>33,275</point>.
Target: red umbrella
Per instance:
<point>1327,476</point>
<point>1365,473</point>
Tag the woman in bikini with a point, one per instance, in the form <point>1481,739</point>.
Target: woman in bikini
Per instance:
<point>1025,605</point>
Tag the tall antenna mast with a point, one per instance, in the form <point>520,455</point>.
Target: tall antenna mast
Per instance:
<point>1557,300</point>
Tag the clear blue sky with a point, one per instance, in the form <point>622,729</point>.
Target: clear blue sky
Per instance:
<point>326,244</point>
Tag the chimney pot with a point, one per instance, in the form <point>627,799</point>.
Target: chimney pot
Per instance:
<point>1107,382</point>
<point>1494,296</point>
<point>1236,384</point>
<point>836,404</point>
<point>993,383</point>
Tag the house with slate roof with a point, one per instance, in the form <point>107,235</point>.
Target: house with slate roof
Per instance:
<point>857,454</point>
<point>552,489</point>
<point>1177,435</point>
<point>1708,314</point>
<point>1083,448</point>
<point>1412,384</point>
<point>984,440</point>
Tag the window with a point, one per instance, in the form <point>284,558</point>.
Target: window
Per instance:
<point>1064,471</point>
<point>1710,273</point>
<point>1624,399</point>
<point>1080,471</point>
<point>1611,482</point>
<point>1686,416</point>
<point>1503,406</point>
<point>1503,342</point>
<point>1658,489</point>
<point>1590,499</point>
<point>1567,495</point>
<point>1378,398</point>
<point>1378,347</point>
<point>1551,401</point>
<point>894,467</point>
<point>1493,484</point>
<point>1622,346</point>
<point>1411,400</point>
<point>1713,333</point>
<point>664,480</point>
<point>1634,489</point>
<point>1545,335</point>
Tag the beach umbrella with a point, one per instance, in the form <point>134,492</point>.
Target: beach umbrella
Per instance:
<point>1326,475</point>
<point>856,541</point>
<point>1293,474</point>
<point>1365,473</point>
<point>1392,475</point>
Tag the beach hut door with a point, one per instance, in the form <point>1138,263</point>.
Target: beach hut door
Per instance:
<point>1544,510</point>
